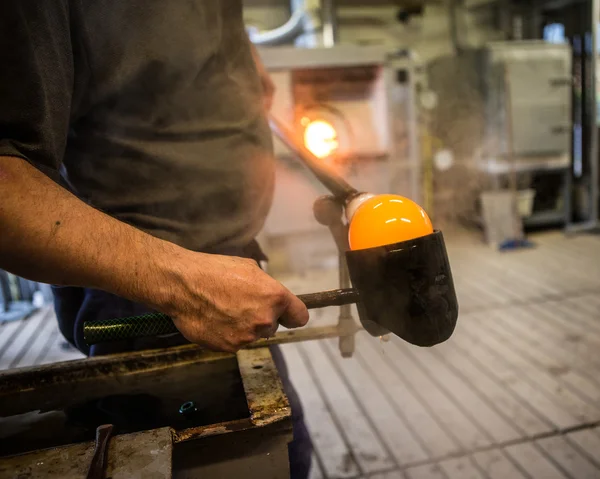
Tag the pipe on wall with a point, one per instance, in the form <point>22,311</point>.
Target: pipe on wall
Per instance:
<point>287,32</point>
<point>313,23</point>
<point>453,19</point>
<point>330,26</point>
<point>312,35</point>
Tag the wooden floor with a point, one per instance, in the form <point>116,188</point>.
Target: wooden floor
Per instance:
<point>34,340</point>
<point>515,393</point>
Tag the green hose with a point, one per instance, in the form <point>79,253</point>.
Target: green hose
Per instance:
<point>151,324</point>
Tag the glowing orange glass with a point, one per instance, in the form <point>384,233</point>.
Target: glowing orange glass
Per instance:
<point>387,219</point>
<point>320,138</point>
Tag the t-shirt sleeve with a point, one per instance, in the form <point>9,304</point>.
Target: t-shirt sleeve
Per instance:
<point>36,81</point>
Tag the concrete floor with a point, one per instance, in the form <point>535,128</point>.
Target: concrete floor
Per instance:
<point>514,393</point>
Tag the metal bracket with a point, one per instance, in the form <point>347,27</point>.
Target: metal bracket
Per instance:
<point>329,212</point>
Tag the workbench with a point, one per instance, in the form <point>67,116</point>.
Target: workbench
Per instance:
<point>239,424</point>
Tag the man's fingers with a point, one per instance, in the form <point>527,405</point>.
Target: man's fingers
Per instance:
<point>267,331</point>
<point>295,315</point>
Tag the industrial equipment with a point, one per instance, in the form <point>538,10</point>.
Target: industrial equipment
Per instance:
<point>403,286</point>
<point>185,412</point>
<point>528,120</point>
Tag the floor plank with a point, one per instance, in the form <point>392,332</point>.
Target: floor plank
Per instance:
<point>510,377</point>
<point>55,352</point>
<point>532,347</point>
<point>448,413</point>
<point>516,409</point>
<point>428,471</point>
<point>367,448</point>
<point>496,465</point>
<point>576,309</point>
<point>432,437</point>
<point>588,442</point>
<point>461,468</point>
<point>571,461</point>
<point>479,411</point>
<point>587,306</point>
<point>560,405</point>
<point>394,430</point>
<point>24,337</point>
<point>534,461</point>
<point>534,326</point>
<point>568,323</point>
<point>552,385</point>
<point>333,452</point>
<point>387,475</point>
<point>10,330</point>
<point>315,469</point>
<point>29,358</point>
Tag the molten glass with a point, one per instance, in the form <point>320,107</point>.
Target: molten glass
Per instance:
<point>320,138</point>
<point>387,219</point>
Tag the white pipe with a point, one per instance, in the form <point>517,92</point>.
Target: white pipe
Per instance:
<point>305,26</point>
<point>286,32</point>
<point>330,29</point>
<point>312,35</point>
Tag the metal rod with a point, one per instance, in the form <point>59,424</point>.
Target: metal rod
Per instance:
<point>452,18</point>
<point>99,462</point>
<point>593,101</point>
<point>324,173</point>
<point>510,151</point>
<point>330,27</point>
<point>334,297</point>
<point>304,334</point>
<point>158,324</point>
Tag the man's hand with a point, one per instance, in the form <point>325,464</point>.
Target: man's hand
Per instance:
<point>224,303</point>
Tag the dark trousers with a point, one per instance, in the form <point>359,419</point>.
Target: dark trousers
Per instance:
<point>74,306</point>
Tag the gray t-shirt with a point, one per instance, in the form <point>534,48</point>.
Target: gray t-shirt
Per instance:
<point>150,110</point>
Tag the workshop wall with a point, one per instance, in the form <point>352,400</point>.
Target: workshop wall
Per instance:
<point>429,36</point>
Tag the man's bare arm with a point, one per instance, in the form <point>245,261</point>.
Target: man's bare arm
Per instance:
<point>49,235</point>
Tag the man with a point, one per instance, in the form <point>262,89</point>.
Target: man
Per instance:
<point>136,168</point>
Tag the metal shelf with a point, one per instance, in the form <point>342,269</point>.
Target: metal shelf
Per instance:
<point>545,218</point>
<point>500,166</point>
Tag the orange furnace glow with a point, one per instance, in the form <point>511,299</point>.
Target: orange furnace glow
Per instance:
<point>320,137</point>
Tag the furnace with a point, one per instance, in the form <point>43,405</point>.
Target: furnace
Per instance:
<point>355,107</point>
